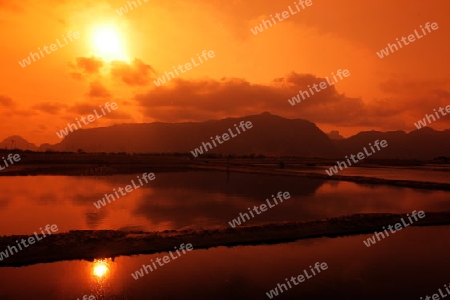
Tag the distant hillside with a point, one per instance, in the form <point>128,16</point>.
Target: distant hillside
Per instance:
<point>425,143</point>
<point>334,135</point>
<point>17,142</point>
<point>270,135</point>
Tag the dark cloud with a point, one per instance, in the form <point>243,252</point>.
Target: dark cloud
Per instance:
<point>50,108</point>
<point>212,99</point>
<point>135,74</point>
<point>97,90</point>
<point>442,94</point>
<point>87,108</point>
<point>25,112</point>
<point>200,100</point>
<point>85,66</point>
<point>7,102</point>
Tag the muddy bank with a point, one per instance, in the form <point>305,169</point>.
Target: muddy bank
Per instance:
<point>90,164</point>
<point>109,243</point>
<point>126,168</point>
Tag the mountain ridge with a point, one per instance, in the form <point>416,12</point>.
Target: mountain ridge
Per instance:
<point>270,135</point>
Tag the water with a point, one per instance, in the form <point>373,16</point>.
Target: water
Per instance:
<point>193,200</point>
<point>408,265</point>
<point>432,173</point>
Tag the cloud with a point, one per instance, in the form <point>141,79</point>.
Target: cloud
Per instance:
<point>87,108</point>
<point>50,108</point>
<point>85,66</point>
<point>414,97</point>
<point>135,74</point>
<point>200,100</point>
<point>97,90</point>
<point>7,102</point>
<point>211,99</point>
<point>408,86</point>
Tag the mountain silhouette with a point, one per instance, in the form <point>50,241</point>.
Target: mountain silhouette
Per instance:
<point>424,143</point>
<point>17,142</point>
<point>270,135</point>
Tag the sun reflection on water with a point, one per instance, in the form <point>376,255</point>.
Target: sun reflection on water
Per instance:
<point>101,268</point>
<point>101,272</point>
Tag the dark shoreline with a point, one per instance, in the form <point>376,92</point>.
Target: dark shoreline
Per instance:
<point>427,185</point>
<point>91,244</point>
<point>186,165</point>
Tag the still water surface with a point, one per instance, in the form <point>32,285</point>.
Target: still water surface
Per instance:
<point>431,173</point>
<point>193,200</point>
<point>409,265</point>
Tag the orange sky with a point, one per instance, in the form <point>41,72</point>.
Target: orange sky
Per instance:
<point>249,74</point>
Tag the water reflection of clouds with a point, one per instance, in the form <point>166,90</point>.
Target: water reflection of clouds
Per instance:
<point>4,201</point>
<point>94,219</point>
<point>194,200</point>
<point>47,198</point>
<point>207,199</point>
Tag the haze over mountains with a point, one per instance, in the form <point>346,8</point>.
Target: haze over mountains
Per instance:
<point>270,135</point>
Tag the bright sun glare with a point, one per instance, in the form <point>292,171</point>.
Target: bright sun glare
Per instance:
<point>107,44</point>
<point>100,267</point>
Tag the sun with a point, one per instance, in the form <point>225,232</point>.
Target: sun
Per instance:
<point>107,44</point>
